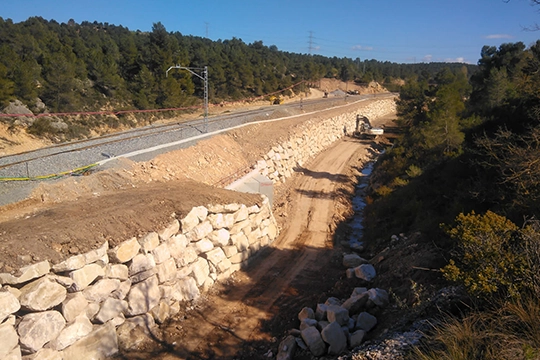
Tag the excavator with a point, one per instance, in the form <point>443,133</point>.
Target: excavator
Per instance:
<point>364,128</point>
<point>276,100</point>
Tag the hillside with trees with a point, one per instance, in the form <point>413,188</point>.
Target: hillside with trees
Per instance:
<point>465,178</point>
<point>69,67</point>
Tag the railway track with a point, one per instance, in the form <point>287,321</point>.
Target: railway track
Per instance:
<point>141,144</point>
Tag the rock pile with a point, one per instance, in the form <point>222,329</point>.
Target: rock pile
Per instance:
<point>336,325</point>
<point>91,305</point>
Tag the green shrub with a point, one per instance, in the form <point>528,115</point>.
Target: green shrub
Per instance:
<point>493,255</point>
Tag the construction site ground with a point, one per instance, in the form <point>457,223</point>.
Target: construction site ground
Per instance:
<point>245,317</point>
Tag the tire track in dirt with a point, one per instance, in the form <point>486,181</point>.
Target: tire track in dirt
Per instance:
<point>235,315</point>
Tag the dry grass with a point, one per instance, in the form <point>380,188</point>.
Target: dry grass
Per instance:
<point>511,331</point>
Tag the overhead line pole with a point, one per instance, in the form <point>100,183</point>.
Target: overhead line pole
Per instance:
<point>203,77</point>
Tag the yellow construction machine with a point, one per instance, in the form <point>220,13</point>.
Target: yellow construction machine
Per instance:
<point>276,100</point>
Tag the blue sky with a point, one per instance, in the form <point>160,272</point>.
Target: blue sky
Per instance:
<point>385,30</point>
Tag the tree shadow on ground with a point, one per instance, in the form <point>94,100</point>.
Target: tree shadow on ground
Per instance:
<point>325,194</point>
<point>321,174</point>
<point>310,286</point>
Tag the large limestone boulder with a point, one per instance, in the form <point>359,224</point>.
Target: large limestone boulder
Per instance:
<point>37,329</point>
<point>356,303</point>
<point>378,297</point>
<point>353,260</point>
<point>125,251</point>
<point>161,253</point>
<point>365,272</point>
<point>72,332</point>
<point>85,276</point>
<point>9,339</point>
<point>365,321</point>
<point>100,344</point>
<point>110,309</point>
<point>333,335</point>
<point>45,354</point>
<point>136,332</point>
<point>312,338</point>
<point>186,289</point>
<point>220,237</point>
<point>200,231</point>
<point>73,306</point>
<point>356,338</point>
<point>177,245</point>
<point>187,256</point>
<point>166,271</point>
<point>9,304</point>
<point>191,220</point>
<point>215,256</point>
<point>143,296</point>
<point>338,314</point>
<point>149,242</point>
<point>140,263</point>
<point>287,348</point>
<point>306,313</point>
<point>169,231</point>
<point>26,273</point>
<point>42,294</point>
<point>101,290</point>
<point>201,270</point>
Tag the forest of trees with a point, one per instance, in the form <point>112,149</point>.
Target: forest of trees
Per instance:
<point>465,175</point>
<point>94,66</point>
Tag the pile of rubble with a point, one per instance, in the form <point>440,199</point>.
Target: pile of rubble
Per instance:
<point>338,325</point>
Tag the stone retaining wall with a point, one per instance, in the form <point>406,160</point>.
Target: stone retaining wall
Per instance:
<point>92,304</point>
<point>313,137</point>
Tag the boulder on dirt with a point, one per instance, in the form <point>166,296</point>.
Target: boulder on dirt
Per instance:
<point>333,301</point>
<point>353,260</point>
<point>338,314</point>
<point>365,321</point>
<point>287,348</point>
<point>312,338</point>
<point>365,272</point>
<point>333,335</point>
<point>356,338</point>
<point>355,303</point>
<point>378,297</point>
<point>306,313</point>
<point>304,323</point>
<point>320,312</point>
<point>359,291</point>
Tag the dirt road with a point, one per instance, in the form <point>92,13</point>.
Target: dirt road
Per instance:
<point>243,319</point>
